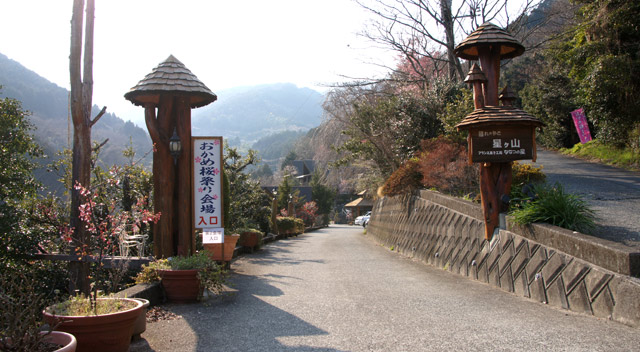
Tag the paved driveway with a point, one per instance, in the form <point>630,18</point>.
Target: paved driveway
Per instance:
<point>337,290</point>
<point>613,193</point>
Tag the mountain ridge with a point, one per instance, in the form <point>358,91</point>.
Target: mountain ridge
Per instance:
<point>253,112</point>
<point>251,115</point>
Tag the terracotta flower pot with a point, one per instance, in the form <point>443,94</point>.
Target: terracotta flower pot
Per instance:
<point>67,341</point>
<point>140,325</point>
<point>64,339</point>
<point>181,286</point>
<point>250,239</point>
<point>215,249</point>
<point>99,333</point>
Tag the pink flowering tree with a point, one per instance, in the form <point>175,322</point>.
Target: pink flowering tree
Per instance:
<point>106,222</point>
<point>308,213</point>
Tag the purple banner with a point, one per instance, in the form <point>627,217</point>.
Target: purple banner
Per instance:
<point>581,125</point>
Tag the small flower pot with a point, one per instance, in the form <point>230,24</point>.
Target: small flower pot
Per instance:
<point>250,240</point>
<point>214,250</point>
<point>64,339</point>
<point>140,325</point>
<point>181,286</point>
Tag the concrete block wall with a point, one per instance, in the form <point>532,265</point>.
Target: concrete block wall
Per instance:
<point>448,233</point>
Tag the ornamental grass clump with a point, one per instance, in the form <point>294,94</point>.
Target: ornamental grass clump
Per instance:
<point>552,205</point>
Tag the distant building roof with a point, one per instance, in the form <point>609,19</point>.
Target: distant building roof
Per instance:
<point>360,202</point>
<point>304,167</point>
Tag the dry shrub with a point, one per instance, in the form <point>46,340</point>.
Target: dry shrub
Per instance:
<point>444,166</point>
<point>526,173</point>
<point>405,179</point>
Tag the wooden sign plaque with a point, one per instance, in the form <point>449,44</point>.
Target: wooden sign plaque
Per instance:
<point>502,144</point>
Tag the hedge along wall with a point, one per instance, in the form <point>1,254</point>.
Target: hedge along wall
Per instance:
<point>448,233</point>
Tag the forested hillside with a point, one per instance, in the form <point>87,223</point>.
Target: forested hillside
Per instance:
<point>48,105</point>
<point>251,113</point>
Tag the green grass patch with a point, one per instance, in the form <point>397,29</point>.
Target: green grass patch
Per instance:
<point>552,205</point>
<point>594,150</point>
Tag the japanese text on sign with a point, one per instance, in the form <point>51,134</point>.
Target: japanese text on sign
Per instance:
<point>207,182</point>
<point>213,235</point>
<point>500,144</point>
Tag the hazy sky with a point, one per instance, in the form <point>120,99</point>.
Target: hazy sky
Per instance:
<point>225,43</point>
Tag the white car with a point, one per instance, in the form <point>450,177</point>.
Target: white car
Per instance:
<point>362,219</point>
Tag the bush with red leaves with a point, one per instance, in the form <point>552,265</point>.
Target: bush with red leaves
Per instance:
<point>405,179</point>
<point>444,166</point>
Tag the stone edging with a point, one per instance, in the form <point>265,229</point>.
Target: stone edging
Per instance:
<point>541,262</point>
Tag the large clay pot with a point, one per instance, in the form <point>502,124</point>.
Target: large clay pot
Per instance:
<point>215,249</point>
<point>140,325</point>
<point>181,286</point>
<point>64,339</point>
<point>99,333</point>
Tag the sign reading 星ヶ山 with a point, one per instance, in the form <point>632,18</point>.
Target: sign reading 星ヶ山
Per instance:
<point>207,182</point>
<point>501,144</point>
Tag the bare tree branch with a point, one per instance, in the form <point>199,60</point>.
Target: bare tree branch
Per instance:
<point>100,114</point>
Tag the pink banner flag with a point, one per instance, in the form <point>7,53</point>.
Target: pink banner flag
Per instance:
<point>581,125</point>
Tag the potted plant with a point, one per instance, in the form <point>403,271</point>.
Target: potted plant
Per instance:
<point>298,226</point>
<point>140,325</point>
<point>184,279</point>
<point>99,322</point>
<point>286,225</point>
<point>20,319</point>
<point>250,238</point>
<point>103,324</point>
<point>215,250</point>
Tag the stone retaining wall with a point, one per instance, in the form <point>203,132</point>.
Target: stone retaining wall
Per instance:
<point>545,263</point>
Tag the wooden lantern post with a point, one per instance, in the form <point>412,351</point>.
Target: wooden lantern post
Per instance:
<point>168,94</point>
<point>498,134</point>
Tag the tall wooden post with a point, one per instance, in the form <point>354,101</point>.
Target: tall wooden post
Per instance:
<point>184,204</point>
<point>171,90</point>
<point>497,134</point>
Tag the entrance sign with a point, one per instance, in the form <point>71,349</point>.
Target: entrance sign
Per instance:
<point>207,182</point>
<point>213,235</point>
<point>580,120</point>
<point>501,144</point>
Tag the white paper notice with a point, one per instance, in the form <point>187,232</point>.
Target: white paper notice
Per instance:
<point>213,235</point>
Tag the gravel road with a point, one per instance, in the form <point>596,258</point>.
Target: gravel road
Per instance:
<point>613,193</point>
<point>337,290</point>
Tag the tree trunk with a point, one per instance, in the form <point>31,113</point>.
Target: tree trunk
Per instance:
<point>495,182</point>
<point>490,64</point>
<point>160,128</point>
<point>453,63</point>
<point>185,231</point>
<point>81,99</point>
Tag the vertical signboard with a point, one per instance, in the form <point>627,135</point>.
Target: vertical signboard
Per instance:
<point>207,182</point>
<point>581,125</point>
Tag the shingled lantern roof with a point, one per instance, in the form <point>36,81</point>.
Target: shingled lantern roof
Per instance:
<point>170,77</point>
<point>498,116</point>
<point>489,34</point>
